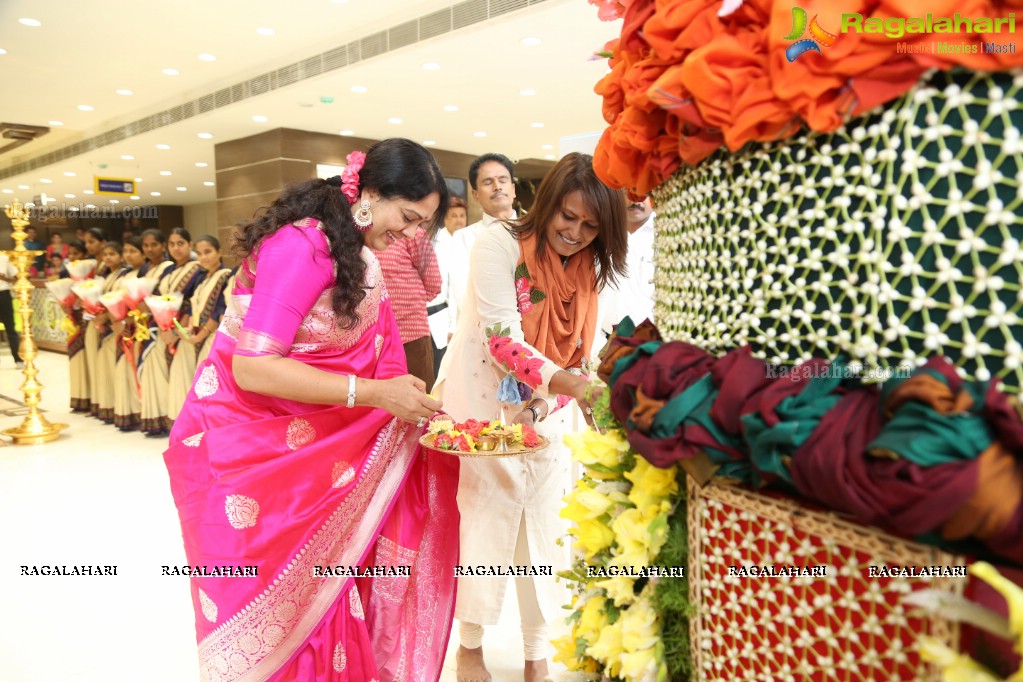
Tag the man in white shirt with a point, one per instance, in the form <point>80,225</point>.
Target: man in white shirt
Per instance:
<point>492,180</point>
<point>633,295</point>
<point>8,275</point>
<point>438,310</point>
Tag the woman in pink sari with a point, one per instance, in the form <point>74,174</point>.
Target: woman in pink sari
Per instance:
<point>297,449</point>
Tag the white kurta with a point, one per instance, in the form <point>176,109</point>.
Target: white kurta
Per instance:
<point>459,258</point>
<point>494,494</point>
<point>632,295</point>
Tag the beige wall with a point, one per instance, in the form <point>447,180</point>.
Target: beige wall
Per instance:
<point>201,219</point>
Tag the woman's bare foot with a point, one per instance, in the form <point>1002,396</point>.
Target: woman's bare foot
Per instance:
<point>536,671</point>
<point>469,665</point>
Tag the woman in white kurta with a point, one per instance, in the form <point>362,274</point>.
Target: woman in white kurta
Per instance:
<point>533,283</point>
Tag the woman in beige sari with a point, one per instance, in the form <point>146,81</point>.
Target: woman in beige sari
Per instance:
<point>182,277</point>
<point>206,307</point>
<point>95,247</point>
<point>102,375</point>
<point>127,390</point>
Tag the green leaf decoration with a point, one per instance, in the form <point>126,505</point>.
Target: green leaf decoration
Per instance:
<point>521,271</point>
<point>535,295</point>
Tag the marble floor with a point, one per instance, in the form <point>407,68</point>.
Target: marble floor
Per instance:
<point>98,496</point>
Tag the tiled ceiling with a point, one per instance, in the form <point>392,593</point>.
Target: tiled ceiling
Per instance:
<point>328,66</point>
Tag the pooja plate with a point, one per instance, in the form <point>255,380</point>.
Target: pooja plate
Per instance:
<point>514,449</point>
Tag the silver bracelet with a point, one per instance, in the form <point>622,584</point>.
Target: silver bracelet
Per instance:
<point>351,390</point>
<point>536,413</point>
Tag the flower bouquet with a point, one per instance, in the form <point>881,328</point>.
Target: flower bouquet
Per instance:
<point>165,309</point>
<point>81,269</point>
<point>115,303</point>
<point>61,290</point>
<point>89,292</point>
<point>135,290</point>
<point>474,438</point>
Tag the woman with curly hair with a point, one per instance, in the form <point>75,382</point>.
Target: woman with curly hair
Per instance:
<point>297,450</point>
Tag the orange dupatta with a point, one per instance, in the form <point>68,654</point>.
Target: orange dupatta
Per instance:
<point>558,303</point>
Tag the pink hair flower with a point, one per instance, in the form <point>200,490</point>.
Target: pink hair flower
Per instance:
<point>350,176</point>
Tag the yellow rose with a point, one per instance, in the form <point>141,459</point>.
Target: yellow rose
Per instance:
<point>640,628</point>
<point>592,620</point>
<point>650,484</point>
<point>584,503</point>
<point>564,648</point>
<point>593,536</point>
<point>619,589</point>
<point>632,530</point>
<point>608,648</point>
<point>603,449</point>
<point>639,665</point>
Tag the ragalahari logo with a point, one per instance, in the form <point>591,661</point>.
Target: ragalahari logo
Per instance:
<point>818,36</point>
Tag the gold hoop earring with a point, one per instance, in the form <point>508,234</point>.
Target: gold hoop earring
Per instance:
<point>364,216</point>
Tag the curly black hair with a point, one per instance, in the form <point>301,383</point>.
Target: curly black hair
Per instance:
<point>393,168</point>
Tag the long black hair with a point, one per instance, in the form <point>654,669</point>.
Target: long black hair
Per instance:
<point>394,168</point>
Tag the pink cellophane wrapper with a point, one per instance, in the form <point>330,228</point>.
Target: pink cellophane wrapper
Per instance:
<point>135,290</point>
<point>116,302</point>
<point>61,290</point>
<point>89,292</point>
<point>165,309</point>
<point>81,269</point>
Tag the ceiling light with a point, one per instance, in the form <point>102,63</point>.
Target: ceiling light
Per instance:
<point>265,31</point>
<point>206,136</point>
<point>209,183</point>
<point>546,146</point>
<point>429,143</point>
<point>527,92</point>
<point>69,196</point>
<point>530,41</point>
<point>56,123</point>
<point>170,72</point>
<point>165,172</point>
<point>114,201</point>
<point>200,164</point>
<point>45,181</point>
<point>138,179</point>
<point>359,89</point>
<point>85,107</point>
<point>90,205</point>
<point>431,66</point>
<point>181,189</point>
<point>154,194</point>
<point>127,157</point>
<point>480,133</point>
<point>260,119</point>
<point>450,107</point>
<point>346,132</point>
<point>87,191</point>
<point>69,174</point>
<point>125,92</point>
<point>3,51</point>
<point>8,191</point>
<point>549,156</point>
<point>207,57</point>
<point>163,146</point>
<point>536,124</point>
<point>23,187</point>
<point>30,22</point>
<point>395,120</point>
<point>133,198</point>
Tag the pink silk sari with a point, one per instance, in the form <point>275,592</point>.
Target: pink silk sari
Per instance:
<point>289,487</point>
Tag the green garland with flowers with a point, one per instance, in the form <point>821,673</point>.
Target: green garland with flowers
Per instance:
<point>630,609</point>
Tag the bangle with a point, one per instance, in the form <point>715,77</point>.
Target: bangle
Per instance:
<point>536,414</point>
<point>351,390</point>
